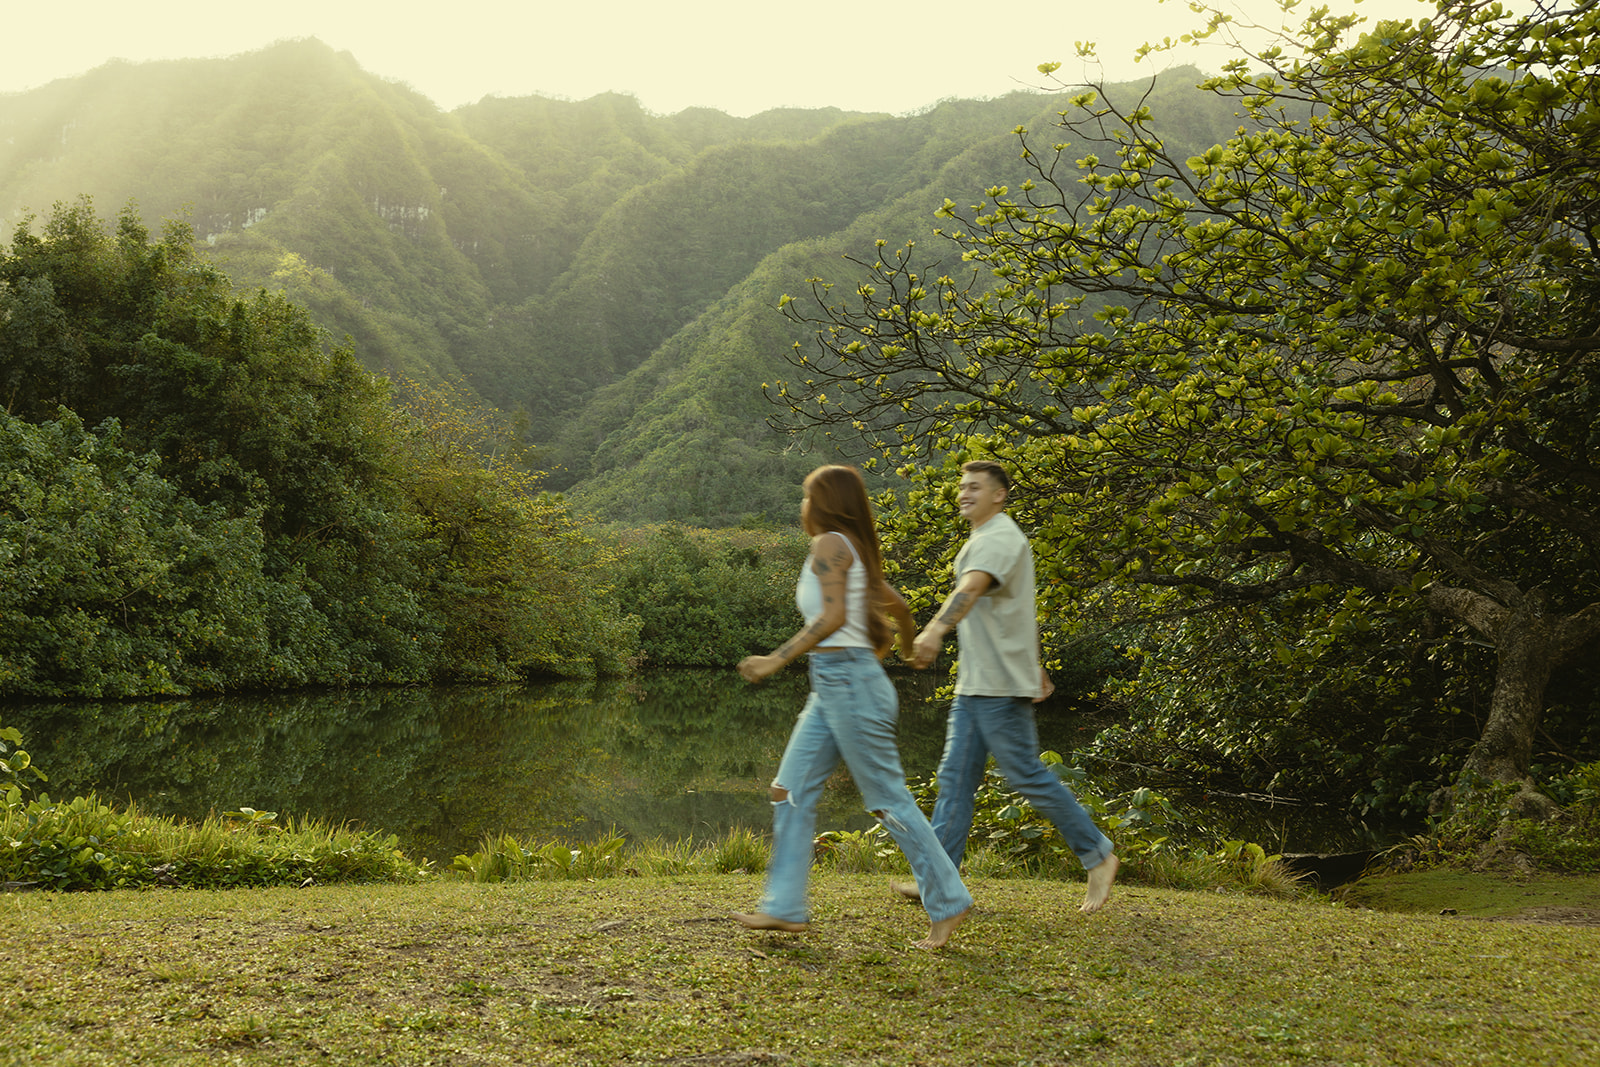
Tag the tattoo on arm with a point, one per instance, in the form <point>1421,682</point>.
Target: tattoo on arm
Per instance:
<point>830,562</point>
<point>956,608</point>
<point>797,644</point>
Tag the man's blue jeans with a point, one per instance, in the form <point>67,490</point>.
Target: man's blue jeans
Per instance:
<point>851,715</point>
<point>1005,726</point>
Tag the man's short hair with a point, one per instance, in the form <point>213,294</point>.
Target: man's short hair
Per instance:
<point>992,469</point>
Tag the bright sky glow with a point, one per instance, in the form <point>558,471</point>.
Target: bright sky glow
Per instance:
<point>732,55</point>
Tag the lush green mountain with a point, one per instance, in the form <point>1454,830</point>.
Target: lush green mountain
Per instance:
<point>684,435</point>
<point>607,275</point>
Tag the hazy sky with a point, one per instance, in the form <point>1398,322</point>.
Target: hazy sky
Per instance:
<point>670,54</point>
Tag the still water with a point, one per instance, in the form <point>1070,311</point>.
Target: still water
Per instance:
<point>664,755</point>
<point>668,754</point>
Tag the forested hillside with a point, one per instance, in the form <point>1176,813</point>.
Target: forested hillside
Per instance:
<point>606,276</point>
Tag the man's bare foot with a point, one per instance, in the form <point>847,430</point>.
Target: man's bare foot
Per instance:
<point>941,930</point>
<point>762,921</point>
<point>1100,878</point>
<point>910,890</point>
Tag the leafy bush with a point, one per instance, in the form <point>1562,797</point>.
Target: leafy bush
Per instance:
<point>1155,843</point>
<point>77,844</point>
<point>117,584</point>
<point>1009,839</point>
<point>1368,714</point>
<point>505,859</point>
<point>520,587</point>
<point>738,851</point>
<point>85,843</point>
<point>868,851</point>
<point>708,598</point>
<point>17,772</point>
<point>1487,825</point>
<point>1140,821</point>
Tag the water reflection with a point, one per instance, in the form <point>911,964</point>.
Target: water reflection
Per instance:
<point>669,755</point>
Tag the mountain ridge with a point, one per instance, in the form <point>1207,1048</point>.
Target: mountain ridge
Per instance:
<point>606,276</point>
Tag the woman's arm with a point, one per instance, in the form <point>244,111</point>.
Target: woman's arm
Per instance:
<point>830,560</point>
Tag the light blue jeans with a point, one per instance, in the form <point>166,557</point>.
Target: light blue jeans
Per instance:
<point>1005,726</point>
<point>851,714</point>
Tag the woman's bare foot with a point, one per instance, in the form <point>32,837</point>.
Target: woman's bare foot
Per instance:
<point>941,931</point>
<point>762,921</point>
<point>1100,878</point>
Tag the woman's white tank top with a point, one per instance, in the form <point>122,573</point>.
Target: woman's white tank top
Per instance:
<point>808,598</point>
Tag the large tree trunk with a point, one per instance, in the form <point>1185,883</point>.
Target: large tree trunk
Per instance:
<point>1530,646</point>
<point>1526,659</point>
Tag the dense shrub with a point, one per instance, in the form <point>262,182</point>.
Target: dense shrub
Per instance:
<point>1488,824</point>
<point>519,586</point>
<point>708,598</point>
<point>203,493</point>
<point>1366,718</point>
<point>84,843</point>
<point>115,583</point>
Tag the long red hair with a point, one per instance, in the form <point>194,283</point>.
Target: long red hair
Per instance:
<point>836,502</point>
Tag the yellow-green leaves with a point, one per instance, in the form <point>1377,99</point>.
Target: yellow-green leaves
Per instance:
<point>1310,349</point>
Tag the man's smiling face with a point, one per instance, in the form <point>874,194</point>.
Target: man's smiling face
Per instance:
<point>979,497</point>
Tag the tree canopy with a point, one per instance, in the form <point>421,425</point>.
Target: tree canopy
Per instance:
<point>199,491</point>
<point>1338,368</point>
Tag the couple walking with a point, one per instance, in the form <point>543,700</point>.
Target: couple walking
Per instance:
<point>852,708</point>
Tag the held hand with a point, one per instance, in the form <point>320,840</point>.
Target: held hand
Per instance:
<point>906,648</point>
<point>755,668</point>
<point>1046,687</point>
<point>925,649</point>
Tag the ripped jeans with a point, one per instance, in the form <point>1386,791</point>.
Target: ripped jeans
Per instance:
<point>851,714</point>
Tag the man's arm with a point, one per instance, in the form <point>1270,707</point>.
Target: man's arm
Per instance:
<point>973,585</point>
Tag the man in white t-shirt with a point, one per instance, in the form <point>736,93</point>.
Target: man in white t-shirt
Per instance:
<point>998,680</point>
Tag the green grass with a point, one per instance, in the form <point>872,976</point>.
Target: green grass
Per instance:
<point>84,843</point>
<point>648,970</point>
<point>1479,894</point>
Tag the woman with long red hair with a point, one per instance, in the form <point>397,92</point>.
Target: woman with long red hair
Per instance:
<point>851,712</point>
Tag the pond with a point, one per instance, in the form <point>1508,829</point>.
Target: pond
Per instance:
<point>664,755</point>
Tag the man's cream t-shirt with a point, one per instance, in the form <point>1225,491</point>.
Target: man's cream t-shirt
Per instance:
<point>998,654</point>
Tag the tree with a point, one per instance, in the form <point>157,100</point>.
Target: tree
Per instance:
<point>521,587</point>
<point>199,491</point>
<point>1344,360</point>
<point>708,598</point>
<point>247,406</point>
<point>114,584</point>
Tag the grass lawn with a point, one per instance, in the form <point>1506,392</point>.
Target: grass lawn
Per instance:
<point>649,970</point>
<point>1452,890</point>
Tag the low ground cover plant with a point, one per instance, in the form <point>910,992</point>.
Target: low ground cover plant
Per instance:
<point>1009,839</point>
<point>1488,824</point>
<point>87,843</point>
